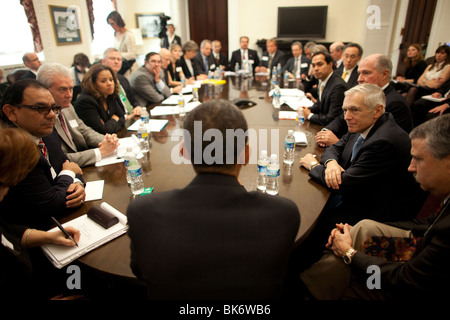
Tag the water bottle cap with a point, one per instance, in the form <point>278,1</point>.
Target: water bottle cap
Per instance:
<point>144,108</point>
<point>290,132</point>
<point>274,156</point>
<point>129,149</point>
<point>264,152</point>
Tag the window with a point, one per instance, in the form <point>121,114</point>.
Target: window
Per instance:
<point>103,33</point>
<point>14,44</point>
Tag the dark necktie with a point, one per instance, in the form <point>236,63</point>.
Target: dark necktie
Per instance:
<point>206,63</point>
<point>63,125</point>
<point>357,146</point>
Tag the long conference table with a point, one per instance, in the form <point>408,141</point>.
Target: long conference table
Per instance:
<point>113,258</point>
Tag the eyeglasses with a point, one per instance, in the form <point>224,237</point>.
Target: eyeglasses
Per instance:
<point>41,109</point>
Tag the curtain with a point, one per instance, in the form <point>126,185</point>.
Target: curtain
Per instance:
<point>90,7</point>
<point>32,21</point>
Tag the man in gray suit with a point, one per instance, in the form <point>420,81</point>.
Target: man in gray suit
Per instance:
<point>148,81</point>
<point>80,143</point>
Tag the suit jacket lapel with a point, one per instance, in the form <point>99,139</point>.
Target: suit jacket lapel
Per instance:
<point>63,135</point>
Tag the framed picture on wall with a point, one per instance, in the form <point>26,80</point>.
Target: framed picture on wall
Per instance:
<point>65,25</point>
<point>149,24</point>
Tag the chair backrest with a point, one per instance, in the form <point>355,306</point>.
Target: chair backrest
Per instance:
<point>15,75</point>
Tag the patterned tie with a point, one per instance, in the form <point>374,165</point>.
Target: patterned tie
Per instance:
<point>357,146</point>
<point>63,125</point>
<point>344,75</point>
<point>43,148</point>
<point>205,61</point>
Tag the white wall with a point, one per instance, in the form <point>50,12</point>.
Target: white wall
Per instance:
<point>257,19</point>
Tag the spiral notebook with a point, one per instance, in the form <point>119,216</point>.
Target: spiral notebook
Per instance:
<point>93,235</point>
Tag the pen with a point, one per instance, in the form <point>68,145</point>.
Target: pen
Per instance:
<point>64,231</point>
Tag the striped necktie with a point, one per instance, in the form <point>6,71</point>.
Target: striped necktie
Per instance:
<point>43,148</point>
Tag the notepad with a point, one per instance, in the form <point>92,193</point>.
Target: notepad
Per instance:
<point>154,125</point>
<point>93,236</point>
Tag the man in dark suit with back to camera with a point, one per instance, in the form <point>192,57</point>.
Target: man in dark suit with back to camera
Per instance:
<point>331,90</point>
<point>55,185</point>
<point>244,53</point>
<point>206,241</point>
<point>422,272</point>
<point>81,144</point>
<point>376,69</point>
<point>271,57</point>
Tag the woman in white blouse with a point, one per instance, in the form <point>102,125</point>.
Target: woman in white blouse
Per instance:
<point>124,40</point>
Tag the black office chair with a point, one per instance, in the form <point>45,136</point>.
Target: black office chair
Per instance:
<point>15,75</point>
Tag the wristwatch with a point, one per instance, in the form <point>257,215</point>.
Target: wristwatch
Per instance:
<point>312,164</point>
<point>347,257</point>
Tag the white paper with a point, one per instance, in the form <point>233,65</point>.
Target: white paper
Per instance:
<point>300,138</point>
<point>431,98</point>
<point>164,110</point>
<point>94,190</point>
<point>154,125</point>
<point>173,99</point>
<point>117,157</point>
<point>287,115</point>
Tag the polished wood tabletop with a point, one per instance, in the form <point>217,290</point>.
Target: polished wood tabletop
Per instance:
<point>161,173</point>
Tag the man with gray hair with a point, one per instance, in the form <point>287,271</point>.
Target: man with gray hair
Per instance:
<point>366,170</point>
<point>82,144</point>
<point>376,69</point>
<point>420,272</point>
<point>204,59</point>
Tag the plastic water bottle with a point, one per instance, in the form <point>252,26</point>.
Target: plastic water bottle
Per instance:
<point>276,97</point>
<point>145,117</point>
<point>273,173</point>
<point>183,80</point>
<point>300,119</point>
<point>195,93</point>
<point>236,68</point>
<point>135,171</point>
<point>279,69</point>
<point>273,81</point>
<point>143,138</point>
<point>263,162</point>
<point>181,108</point>
<point>286,79</point>
<point>289,148</point>
<point>127,157</point>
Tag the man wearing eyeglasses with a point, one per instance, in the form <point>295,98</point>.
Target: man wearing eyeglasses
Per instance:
<point>31,60</point>
<point>348,70</point>
<point>82,144</point>
<point>54,186</point>
<point>148,81</point>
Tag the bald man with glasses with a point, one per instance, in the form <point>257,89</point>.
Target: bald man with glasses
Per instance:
<point>55,185</point>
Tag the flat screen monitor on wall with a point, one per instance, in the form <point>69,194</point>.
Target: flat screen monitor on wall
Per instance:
<point>302,22</point>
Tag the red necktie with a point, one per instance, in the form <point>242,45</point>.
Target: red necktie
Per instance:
<point>41,145</point>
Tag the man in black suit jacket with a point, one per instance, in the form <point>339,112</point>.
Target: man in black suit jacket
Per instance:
<point>424,275</point>
<point>271,57</point>
<point>205,241</point>
<point>55,184</point>
<point>170,38</point>
<point>348,70</point>
<point>204,58</point>
<point>298,65</point>
<point>220,58</point>
<point>374,69</point>
<point>249,55</point>
<point>379,166</point>
<point>331,91</point>
<point>31,60</point>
